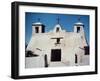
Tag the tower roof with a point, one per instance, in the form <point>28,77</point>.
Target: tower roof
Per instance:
<point>79,23</point>
<point>37,23</point>
<point>57,25</point>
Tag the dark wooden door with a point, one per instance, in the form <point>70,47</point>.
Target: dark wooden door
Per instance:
<point>56,55</point>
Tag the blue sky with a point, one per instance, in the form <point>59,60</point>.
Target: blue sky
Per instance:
<point>67,22</point>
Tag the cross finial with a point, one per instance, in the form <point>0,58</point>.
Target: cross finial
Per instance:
<point>79,18</point>
<point>38,19</point>
<point>58,19</point>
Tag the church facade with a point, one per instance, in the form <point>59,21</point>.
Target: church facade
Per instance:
<point>58,47</point>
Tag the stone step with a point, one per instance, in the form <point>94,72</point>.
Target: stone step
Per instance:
<point>56,64</point>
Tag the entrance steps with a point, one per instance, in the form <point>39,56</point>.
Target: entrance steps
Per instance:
<point>56,64</point>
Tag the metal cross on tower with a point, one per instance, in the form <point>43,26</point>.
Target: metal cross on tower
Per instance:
<point>79,18</point>
<point>38,19</point>
<point>58,19</point>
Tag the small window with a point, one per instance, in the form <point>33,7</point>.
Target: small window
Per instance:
<point>36,29</point>
<point>58,40</point>
<point>78,29</point>
<point>76,58</point>
<point>57,30</point>
<point>86,50</point>
<point>43,29</point>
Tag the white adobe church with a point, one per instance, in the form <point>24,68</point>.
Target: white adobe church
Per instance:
<point>58,47</point>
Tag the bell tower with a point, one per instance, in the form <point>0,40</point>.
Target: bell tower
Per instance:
<point>79,27</point>
<point>38,27</point>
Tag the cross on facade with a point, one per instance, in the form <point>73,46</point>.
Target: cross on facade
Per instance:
<point>58,19</point>
<point>57,39</point>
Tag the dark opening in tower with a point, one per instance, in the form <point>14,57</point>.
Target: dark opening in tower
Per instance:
<point>36,29</point>
<point>78,29</point>
<point>57,29</point>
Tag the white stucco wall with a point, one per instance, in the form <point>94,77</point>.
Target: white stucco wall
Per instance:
<point>71,44</point>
